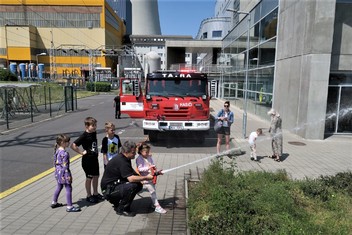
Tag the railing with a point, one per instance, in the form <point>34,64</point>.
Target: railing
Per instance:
<point>23,104</point>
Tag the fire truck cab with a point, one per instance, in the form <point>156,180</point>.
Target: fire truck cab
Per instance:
<point>171,101</point>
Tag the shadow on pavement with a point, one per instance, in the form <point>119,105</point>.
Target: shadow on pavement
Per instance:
<point>82,202</point>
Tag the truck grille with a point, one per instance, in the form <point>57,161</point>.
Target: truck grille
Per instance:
<point>169,112</point>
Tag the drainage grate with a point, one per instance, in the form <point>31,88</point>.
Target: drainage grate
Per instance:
<point>297,143</point>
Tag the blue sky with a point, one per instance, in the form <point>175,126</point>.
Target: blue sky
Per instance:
<point>183,17</point>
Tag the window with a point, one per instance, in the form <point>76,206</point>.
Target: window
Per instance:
<point>268,26</point>
<point>127,88</point>
<point>205,35</point>
<point>180,87</point>
<point>217,34</point>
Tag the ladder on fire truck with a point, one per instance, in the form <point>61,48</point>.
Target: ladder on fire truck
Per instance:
<point>213,88</point>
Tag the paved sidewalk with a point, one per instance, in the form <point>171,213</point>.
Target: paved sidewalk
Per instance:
<point>27,210</point>
<point>301,158</point>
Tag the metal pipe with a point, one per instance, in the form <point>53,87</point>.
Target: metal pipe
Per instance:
<point>244,125</point>
<point>245,89</point>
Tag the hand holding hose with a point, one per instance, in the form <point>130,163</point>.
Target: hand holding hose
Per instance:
<point>155,173</point>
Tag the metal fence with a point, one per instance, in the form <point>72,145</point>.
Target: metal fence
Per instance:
<point>24,104</point>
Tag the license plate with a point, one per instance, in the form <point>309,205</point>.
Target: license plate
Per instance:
<point>176,127</point>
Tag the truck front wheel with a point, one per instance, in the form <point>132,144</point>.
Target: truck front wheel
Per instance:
<point>153,136</point>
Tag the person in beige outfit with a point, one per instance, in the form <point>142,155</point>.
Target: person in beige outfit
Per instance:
<point>276,134</point>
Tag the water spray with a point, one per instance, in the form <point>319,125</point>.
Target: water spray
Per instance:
<point>233,151</point>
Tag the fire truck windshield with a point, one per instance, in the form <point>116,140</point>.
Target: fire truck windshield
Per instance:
<point>176,87</point>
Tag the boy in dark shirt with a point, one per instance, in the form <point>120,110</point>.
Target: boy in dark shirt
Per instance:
<point>90,164</point>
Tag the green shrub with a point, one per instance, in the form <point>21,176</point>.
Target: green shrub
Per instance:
<point>226,202</point>
<point>340,181</point>
<point>98,86</point>
<point>324,186</point>
<point>7,75</point>
<point>316,189</point>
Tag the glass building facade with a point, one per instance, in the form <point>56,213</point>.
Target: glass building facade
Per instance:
<point>261,58</point>
<point>339,102</point>
<point>262,47</point>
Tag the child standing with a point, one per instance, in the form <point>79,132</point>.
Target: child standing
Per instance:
<point>90,163</point>
<point>145,164</point>
<point>111,144</point>
<point>62,173</point>
<point>252,143</point>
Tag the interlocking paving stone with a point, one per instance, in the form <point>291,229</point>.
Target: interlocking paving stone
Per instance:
<point>27,210</point>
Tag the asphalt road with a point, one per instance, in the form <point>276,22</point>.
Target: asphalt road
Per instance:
<point>28,151</point>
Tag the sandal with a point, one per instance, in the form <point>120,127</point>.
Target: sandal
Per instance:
<point>277,160</point>
<point>56,205</point>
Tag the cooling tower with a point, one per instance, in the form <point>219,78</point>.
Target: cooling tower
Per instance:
<point>145,17</point>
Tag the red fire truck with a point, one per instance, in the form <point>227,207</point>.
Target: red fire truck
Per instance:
<point>170,101</point>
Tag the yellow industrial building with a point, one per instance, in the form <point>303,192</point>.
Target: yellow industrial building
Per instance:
<point>59,39</point>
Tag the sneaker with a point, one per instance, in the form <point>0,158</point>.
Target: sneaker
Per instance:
<point>99,197</point>
<point>126,213</point>
<point>91,199</point>
<point>73,209</point>
<point>255,159</point>
<point>56,205</point>
<point>160,210</point>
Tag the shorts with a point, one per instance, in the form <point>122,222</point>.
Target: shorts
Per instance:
<point>90,165</point>
<point>225,130</point>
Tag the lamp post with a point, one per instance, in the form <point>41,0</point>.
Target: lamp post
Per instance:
<point>244,123</point>
<point>43,53</point>
<point>7,50</point>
